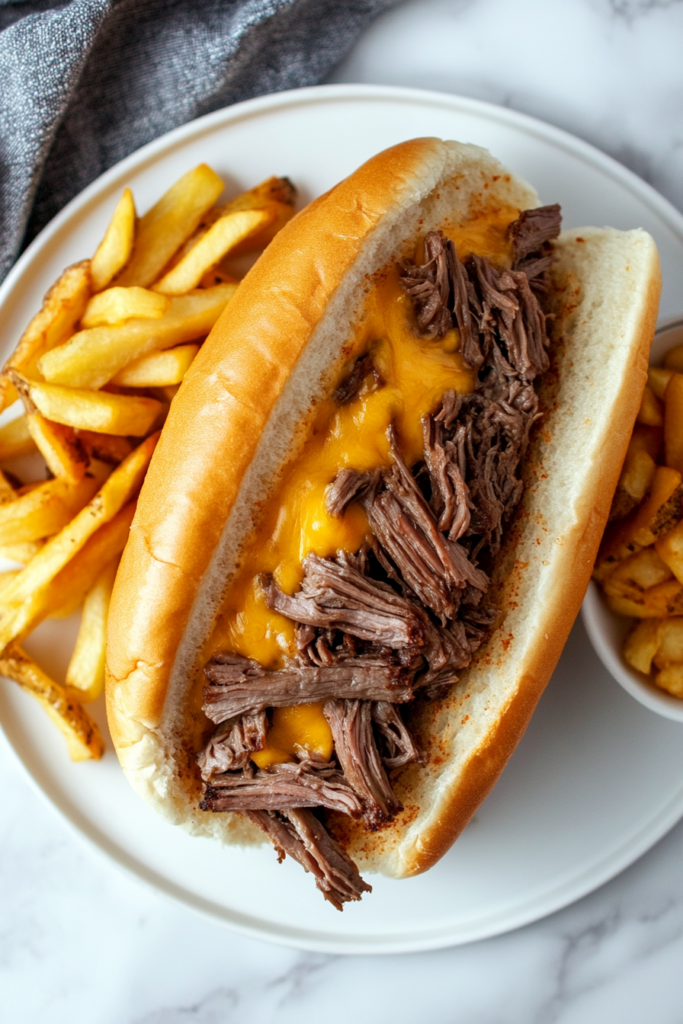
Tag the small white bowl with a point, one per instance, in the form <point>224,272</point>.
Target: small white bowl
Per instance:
<point>607,630</point>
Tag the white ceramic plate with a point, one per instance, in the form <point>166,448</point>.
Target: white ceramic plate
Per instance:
<point>597,779</point>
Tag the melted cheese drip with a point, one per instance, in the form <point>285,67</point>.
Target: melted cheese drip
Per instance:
<point>299,730</point>
<point>295,522</point>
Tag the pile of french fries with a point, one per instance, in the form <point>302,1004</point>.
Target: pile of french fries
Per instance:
<point>95,371</point>
<point>640,564</point>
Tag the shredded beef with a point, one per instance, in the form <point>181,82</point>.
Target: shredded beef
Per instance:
<point>351,385</point>
<point>301,835</point>
<point>377,627</point>
<point>232,745</point>
<point>446,463</point>
<point>304,784</point>
<point>496,435</point>
<point>397,747</point>
<point>335,595</point>
<point>429,287</point>
<point>239,686</point>
<point>483,300</point>
<point>355,747</point>
<point>532,230</point>
<point>349,486</point>
<point>435,568</point>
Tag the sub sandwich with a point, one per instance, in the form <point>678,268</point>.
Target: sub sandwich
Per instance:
<point>370,520</point>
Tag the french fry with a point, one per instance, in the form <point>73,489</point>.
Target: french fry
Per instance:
<point>271,191</point>
<point>658,377</point>
<point>647,439</point>
<point>24,594</point>
<point>673,360</point>
<point>16,440</point>
<point>673,422</point>
<point>60,447</point>
<point>635,481</point>
<point>638,469</point>
<point>7,577</point>
<point>7,492</point>
<point>217,275</point>
<point>604,568</point>
<point>21,552</point>
<point>116,247</point>
<point>658,513</point>
<point>106,447</point>
<point>85,673</point>
<point>656,603</point>
<point>671,680</point>
<point>636,574</point>
<point>91,358</point>
<point>670,550</point>
<point>280,214</point>
<point>650,412</point>
<point>83,738</point>
<point>220,239</point>
<point>172,220</point>
<point>44,509</point>
<point>117,304</point>
<point>30,486</point>
<point>62,309</point>
<point>275,194</point>
<point>670,642</point>
<point>158,369</point>
<point>641,645</point>
<point>66,592</point>
<point>98,411</point>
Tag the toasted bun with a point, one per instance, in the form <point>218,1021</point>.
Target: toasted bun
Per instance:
<point>244,409</point>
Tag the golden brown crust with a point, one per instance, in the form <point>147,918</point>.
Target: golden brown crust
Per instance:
<point>231,389</point>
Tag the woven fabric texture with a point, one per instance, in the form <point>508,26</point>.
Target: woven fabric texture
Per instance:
<point>85,83</point>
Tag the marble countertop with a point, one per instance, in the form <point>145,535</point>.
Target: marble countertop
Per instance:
<point>81,941</point>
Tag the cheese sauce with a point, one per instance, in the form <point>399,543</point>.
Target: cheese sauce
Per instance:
<point>415,373</point>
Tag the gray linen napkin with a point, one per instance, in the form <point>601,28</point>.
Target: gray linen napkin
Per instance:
<point>85,83</point>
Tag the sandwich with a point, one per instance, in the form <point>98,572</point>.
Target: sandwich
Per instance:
<point>373,512</point>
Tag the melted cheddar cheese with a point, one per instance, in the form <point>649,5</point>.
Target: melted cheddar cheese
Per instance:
<point>294,521</point>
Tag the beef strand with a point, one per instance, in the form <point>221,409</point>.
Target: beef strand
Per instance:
<point>301,835</point>
<point>239,686</point>
<point>399,747</point>
<point>349,486</point>
<point>435,568</point>
<point>355,747</point>
<point>429,287</point>
<point>304,784</point>
<point>532,230</point>
<point>351,385</point>
<point>335,595</point>
<point>232,744</point>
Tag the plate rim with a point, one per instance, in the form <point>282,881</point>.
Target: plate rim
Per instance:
<point>565,893</point>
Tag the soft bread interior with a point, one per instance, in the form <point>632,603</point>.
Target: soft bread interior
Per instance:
<point>605,313</point>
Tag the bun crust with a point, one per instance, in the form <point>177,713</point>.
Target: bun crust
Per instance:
<point>242,411</point>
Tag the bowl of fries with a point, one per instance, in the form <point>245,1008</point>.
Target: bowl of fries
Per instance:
<point>83,398</point>
<point>633,610</point>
